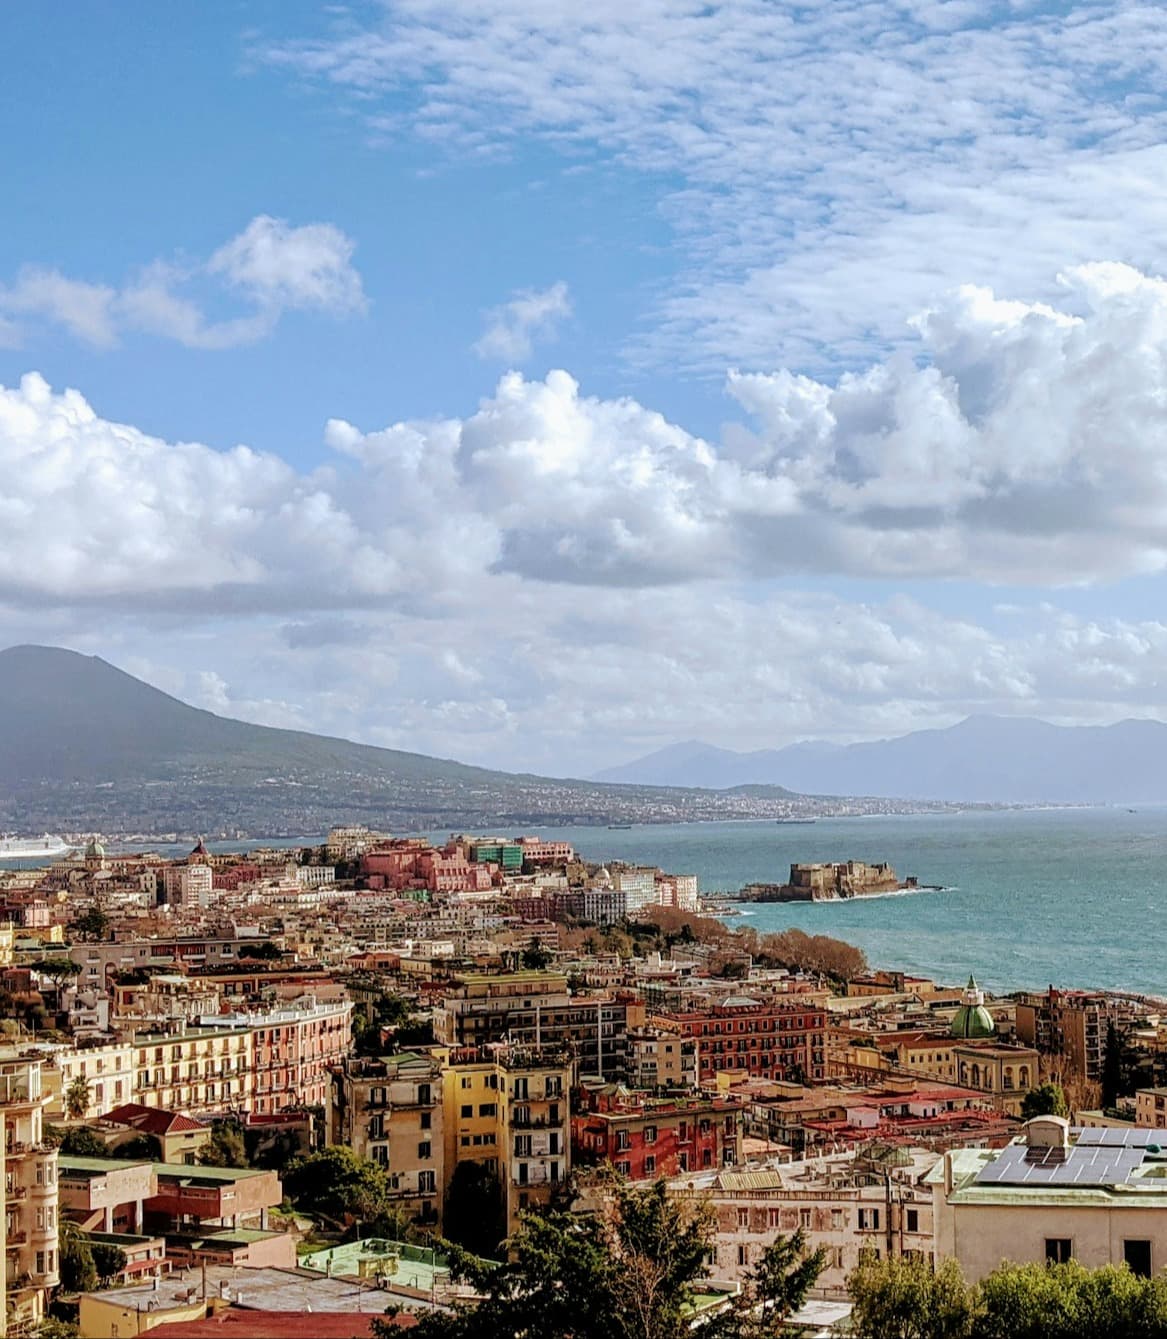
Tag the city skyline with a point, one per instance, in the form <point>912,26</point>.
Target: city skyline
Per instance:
<point>537,393</point>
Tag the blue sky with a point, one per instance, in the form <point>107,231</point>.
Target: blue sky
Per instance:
<point>749,371</point>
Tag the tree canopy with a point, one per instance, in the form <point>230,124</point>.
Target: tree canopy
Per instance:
<point>1047,1099</point>
<point>629,1272</point>
<point>906,1299</point>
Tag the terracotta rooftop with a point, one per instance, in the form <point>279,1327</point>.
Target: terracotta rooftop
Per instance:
<point>152,1120</point>
<point>238,1323</point>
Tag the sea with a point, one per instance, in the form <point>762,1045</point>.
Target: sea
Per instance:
<point>1027,897</point>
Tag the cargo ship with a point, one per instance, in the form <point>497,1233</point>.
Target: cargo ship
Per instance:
<point>46,847</point>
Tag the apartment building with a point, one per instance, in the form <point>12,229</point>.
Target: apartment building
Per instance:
<point>108,1073</point>
<point>644,1137</point>
<point>778,1039</point>
<point>1072,1024</point>
<point>661,1060</point>
<point>537,1009</point>
<point>29,1212</point>
<point>874,1201</point>
<point>203,1069</point>
<point>391,1110</point>
<point>507,1107</point>
<point>1096,1195</point>
<point>291,1049</point>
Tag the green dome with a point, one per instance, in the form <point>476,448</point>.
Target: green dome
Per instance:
<point>972,1019</point>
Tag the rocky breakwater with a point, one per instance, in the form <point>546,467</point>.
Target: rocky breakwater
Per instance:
<point>830,883</point>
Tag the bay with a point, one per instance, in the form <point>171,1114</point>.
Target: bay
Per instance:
<point>1069,897</point>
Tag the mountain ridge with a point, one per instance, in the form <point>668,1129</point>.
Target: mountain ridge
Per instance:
<point>980,759</point>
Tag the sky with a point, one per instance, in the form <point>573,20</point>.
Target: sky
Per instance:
<point>539,386</point>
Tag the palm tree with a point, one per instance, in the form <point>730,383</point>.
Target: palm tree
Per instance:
<point>77,1097</point>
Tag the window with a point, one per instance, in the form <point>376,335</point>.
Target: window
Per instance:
<point>621,1140</point>
<point>650,1134</point>
<point>624,1168</point>
<point>426,1118</point>
<point>40,1262</point>
<point>427,1182</point>
<point>467,1111</point>
<point>743,1218</point>
<point>1058,1250</point>
<point>868,1220</point>
<point>466,1080</point>
<point>650,1165</point>
<point>913,1220</point>
<point>804,1219</point>
<point>743,1257</point>
<point>773,1218</point>
<point>1137,1254</point>
<point>487,1109</point>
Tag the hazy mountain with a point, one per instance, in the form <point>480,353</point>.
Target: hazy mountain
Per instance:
<point>85,746</point>
<point>69,717</point>
<point>983,758</point>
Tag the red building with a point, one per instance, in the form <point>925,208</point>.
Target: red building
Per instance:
<point>779,1039</point>
<point>647,1137</point>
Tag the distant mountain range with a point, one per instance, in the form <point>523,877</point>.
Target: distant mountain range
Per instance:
<point>1010,760</point>
<point>85,746</point>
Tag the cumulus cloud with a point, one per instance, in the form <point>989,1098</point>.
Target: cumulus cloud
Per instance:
<point>273,266</point>
<point>512,329</point>
<point>1023,444</point>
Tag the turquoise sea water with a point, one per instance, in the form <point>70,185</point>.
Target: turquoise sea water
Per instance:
<point>1073,897</point>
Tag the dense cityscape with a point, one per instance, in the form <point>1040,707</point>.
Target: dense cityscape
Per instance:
<point>336,1082</point>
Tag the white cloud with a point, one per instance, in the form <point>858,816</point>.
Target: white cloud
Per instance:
<point>282,267</point>
<point>825,166</point>
<point>512,329</point>
<point>1024,444</point>
<point>274,266</point>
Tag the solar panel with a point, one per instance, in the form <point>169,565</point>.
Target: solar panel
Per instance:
<point>1095,1164</point>
<point>1112,1136</point>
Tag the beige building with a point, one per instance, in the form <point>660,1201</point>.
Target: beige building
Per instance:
<point>29,1213</point>
<point>1151,1108</point>
<point>658,1059</point>
<point>876,1200</point>
<point>390,1110</point>
<point>1096,1195</point>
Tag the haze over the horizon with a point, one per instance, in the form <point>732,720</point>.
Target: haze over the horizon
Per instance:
<point>474,380</point>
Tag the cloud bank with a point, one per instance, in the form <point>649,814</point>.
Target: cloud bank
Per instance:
<point>633,561</point>
<point>823,165</point>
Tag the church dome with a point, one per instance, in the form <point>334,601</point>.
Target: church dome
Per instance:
<point>95,850</point>
<point>972,1019</point>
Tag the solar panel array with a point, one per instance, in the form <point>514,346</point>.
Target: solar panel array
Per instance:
<point>1113,1136</point>
<point>1091,1164</point>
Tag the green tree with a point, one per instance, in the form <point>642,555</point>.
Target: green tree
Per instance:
<point>53,1327</point>
<point>264,950</point>
<point>535,957</point>
<point>108,1260</point>
<point>905,1298</point>
<point>58,970</point>
<point>339,1185</point>
<point>78,1272</point>
<point>226,1146</point>
<point>776,1286</point>
<point>141,1148</point>
<point>77,1097</point>
<point>1071,1302</point>
<point>474,1209</point>
<point>627,1274</point>
<point>1047,1099</point>
<point>91,925</point>
<point>84,1143</point>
